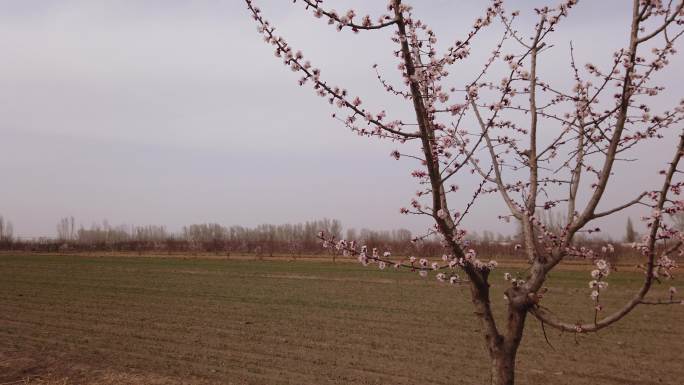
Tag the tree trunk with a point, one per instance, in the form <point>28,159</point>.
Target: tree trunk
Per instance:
<point>503,356</point>
<point>503,367</point>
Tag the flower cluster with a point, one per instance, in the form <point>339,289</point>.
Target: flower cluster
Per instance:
<point>515,282</point>
<point>445,270</point>
<point>346,19</point>
<point>598,282</point>
<point>664,266</point>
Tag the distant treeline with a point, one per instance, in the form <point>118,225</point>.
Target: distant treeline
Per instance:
<point>292,240</point>
<point>287,239</point>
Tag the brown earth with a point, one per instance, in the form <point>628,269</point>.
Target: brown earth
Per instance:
<point>138,320</point>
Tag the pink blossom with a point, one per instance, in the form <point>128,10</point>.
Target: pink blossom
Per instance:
<point>601,264</point>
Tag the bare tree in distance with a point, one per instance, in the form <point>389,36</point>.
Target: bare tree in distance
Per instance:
<point>6,230</point>
<point>606,115</point>
<point>631,234</point>
<point>66,229</point>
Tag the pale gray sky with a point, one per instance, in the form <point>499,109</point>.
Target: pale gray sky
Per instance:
<point>176,112</point>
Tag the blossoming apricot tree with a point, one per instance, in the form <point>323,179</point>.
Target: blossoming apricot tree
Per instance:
<point>606,113</point>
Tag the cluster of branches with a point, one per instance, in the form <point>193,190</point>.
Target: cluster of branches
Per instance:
<point>535,145</point>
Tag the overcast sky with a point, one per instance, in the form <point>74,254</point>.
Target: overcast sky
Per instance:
<point>175,112</point>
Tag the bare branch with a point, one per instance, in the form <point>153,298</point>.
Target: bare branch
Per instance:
<point>622,207</point>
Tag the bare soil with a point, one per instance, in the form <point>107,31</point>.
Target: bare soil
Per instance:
<point>142,320</point>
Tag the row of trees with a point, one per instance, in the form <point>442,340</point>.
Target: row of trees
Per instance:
<point>266,239</point>
<point>289,233</point>
<point>300,232</point>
